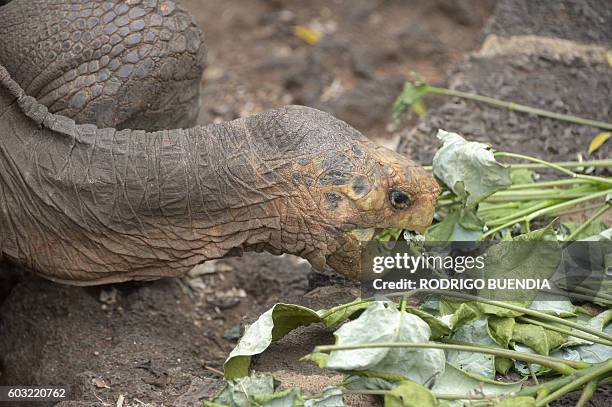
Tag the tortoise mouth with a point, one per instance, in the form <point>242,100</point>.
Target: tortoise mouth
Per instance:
<point>364,235</point>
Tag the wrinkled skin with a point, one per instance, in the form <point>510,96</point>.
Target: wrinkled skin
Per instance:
<point>85,205</point>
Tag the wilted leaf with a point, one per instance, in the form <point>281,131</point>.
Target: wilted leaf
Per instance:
<point>455,314</point>
<point>456,381</point>
<point>383,322</point>
<point>543,341</point>
<point>469,168</point>
<point>599,141</point>
<point>330,397</point>
<point>522,367</point>
<point>335,316</point>
<point>482,364</point>
<point>368,383</point>
<point>287,398</point>
<point>501,330</point>
<point>561,308</point>
<point>438,327</point>
<point>270,326</point>
<point>503,365</point>
<point>238,393</point>
<point>410,394</point>
<point>598,353</point>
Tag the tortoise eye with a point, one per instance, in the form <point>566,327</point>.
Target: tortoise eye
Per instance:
<point>399,199</point>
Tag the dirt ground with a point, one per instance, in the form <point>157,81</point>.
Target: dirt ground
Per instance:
<point>162,343</point>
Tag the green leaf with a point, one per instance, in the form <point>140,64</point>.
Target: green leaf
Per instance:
<point>456,381</point>
<point>239,393</point>
<point>337,315</point>
<point>522,367</point>
<point>455,314</point>
<point>558,307</point>
<point>330,397</point>
<point>438,328</point>
<point>604,236</point>
<point>501,330</point>
<point>459,225</point>
<point>541,340</point>
<point>442,231</point>
<point>592,229</point>
<point>598,353</point>
<point>520,176</point>
<point>520,259</point>
<point>410,98</point>
<point>599,141</point>
<point>503,365</point>
<point>545,234</point>
<point>410,394</point>
<point>319,358</point>
<point>522,401</point>
<point>469,168</point>
<point>270,326</point>
<point>353,382</point>
<point>482,364</point>
<point>287,398</point>
<point>389,234</point>
<point>383,322</point>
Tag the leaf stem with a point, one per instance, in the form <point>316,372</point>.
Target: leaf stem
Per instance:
<point>559,365</point>
<point>515,196</point>
<point>520,108</point>
<point>587,393</point>
<point>601,371</point>
<point>559,182</point>
<point>510,205</point>
<point>532,373</point>
<point>564,164</point>
<point>523,310</point>
<point>592,219</point>
<point>441,396</point>
<point>517,216</point>
<point>545,210</point>
<point>554,166</point>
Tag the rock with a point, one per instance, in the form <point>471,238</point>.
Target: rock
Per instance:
<point>368,104</point>
<point>585,21</point>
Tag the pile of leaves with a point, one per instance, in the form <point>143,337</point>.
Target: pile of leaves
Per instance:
<point>443,353</point>
<point>455,349</point>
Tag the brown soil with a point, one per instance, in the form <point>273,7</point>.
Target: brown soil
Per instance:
<point>162,343</point>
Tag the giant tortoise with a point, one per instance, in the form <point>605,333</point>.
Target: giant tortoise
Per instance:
<point>105,178</point>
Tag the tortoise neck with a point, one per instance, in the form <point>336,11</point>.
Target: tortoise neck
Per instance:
<point>88,206</point>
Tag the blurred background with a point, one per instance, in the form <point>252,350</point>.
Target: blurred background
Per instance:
<point>348,57</point>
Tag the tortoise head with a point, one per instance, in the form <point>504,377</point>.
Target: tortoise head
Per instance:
<point>339,182</point>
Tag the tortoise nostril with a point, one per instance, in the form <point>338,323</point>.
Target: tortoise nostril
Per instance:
<point>399,199</point>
